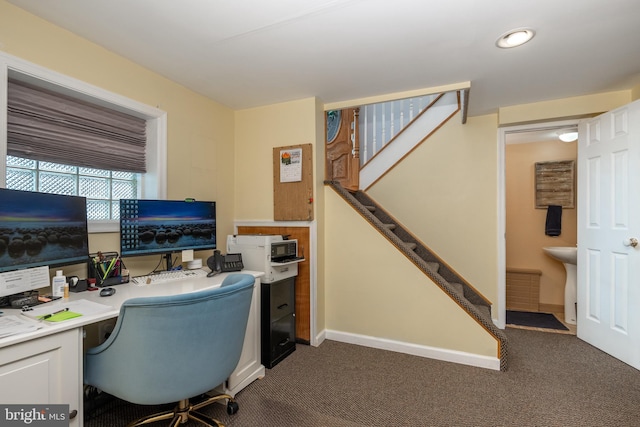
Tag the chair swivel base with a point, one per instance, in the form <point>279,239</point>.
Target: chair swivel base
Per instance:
<point>185,411</point>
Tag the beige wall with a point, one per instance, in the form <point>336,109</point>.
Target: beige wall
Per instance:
<point>375,291</point>
<point>445,192</point>
<point>578,106</point>
<point>257,132</point>
<point>320,216</point>
<point>525,225</point>
<point>635,93</point>
<point>200,131</point>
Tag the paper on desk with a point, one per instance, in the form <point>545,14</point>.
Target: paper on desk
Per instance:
<point>12,325</point>
<point>61,317</point>
<point>82,306</point>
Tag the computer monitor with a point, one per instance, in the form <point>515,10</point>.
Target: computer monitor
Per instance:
<point>163,227</point>
<point>41,229</point>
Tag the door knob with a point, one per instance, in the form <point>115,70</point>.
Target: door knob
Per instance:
<point>633,242</point>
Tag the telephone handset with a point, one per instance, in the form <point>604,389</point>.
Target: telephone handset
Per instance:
<point>219,263</point>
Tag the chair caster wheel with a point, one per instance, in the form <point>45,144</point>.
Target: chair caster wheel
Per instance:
<point>232,407</point>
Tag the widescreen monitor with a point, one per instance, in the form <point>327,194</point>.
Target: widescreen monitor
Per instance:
<point>150,227</point>
<point>38,229</point>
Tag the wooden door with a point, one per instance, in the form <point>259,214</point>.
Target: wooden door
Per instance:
<point>303,280</point>
<point>342,148</point>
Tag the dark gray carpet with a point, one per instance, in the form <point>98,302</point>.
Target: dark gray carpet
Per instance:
<point>552,380</point>
<point>535,320</point>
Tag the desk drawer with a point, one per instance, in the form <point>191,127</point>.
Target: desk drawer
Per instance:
<point>282,298</point>
<point>281,341</point>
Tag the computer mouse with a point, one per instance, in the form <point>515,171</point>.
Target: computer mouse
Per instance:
<point>107,292</point>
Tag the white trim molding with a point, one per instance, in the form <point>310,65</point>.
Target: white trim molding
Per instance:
<point>445,355</point>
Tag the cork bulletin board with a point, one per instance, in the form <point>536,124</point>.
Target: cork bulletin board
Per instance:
<point>555,184</point>
<point>293,183</point>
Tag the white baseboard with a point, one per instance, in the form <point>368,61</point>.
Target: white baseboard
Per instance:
<point>414,349</point>
<point>321,337</point>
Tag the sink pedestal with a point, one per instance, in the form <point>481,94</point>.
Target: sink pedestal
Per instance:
<point>568,256</point>
<point>570,293</point>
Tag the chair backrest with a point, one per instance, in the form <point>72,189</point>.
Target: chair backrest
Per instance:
<point>168,348</point>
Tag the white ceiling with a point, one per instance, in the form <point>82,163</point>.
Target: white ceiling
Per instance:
<point>248,53</point>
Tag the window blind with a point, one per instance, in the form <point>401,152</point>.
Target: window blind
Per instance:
<point>48,126</point>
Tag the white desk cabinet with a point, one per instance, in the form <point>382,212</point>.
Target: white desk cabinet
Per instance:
<point>46,366</point>
<point>249,367</point>
<point>44,370</point>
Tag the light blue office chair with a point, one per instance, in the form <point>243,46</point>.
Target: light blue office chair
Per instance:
<point>171,348</point>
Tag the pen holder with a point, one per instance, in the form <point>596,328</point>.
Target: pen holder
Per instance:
<point>106,268</point>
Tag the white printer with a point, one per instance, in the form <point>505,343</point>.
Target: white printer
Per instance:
<point>272,254</point>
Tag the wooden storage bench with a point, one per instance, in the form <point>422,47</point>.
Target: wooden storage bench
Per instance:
<point>523,289</point>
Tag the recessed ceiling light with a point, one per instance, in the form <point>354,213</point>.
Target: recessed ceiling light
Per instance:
<point>514,38</point>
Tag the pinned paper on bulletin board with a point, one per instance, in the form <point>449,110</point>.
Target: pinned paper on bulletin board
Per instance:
<point>293,183</point>
<point>291,165</point>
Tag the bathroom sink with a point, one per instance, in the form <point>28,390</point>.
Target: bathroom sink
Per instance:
<point>566,254</point>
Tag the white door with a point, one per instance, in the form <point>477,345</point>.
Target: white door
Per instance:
<point>608,220</point>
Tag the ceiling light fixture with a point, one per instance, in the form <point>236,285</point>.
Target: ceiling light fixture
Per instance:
<point>568,135</point>
<point>514,38</point>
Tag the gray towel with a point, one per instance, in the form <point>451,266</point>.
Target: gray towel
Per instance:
<point>553,225</point>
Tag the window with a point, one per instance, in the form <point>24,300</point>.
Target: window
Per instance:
<point>102,187</point>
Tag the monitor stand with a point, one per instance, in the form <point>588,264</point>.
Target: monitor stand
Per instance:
<point>169,261</point>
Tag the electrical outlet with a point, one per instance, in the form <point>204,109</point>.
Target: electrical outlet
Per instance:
<point>105,329</point>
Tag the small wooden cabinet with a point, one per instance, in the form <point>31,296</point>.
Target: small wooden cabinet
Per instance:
<point>278,321</point>
<point>523,289</point>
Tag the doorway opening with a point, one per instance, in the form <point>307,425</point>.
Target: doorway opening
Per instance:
<point>521,226</point>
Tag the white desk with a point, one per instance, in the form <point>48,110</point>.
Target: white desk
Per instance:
<point>46,366</point>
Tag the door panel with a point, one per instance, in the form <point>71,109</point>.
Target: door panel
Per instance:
<point>609,215</point>
<point>342,148</point>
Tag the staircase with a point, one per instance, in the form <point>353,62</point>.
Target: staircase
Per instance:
<point>468,298</point>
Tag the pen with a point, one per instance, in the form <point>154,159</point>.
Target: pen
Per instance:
<point>111,264</point>
<point>46,316</point>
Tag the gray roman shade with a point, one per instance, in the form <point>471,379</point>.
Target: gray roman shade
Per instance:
<point>48,126</point>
